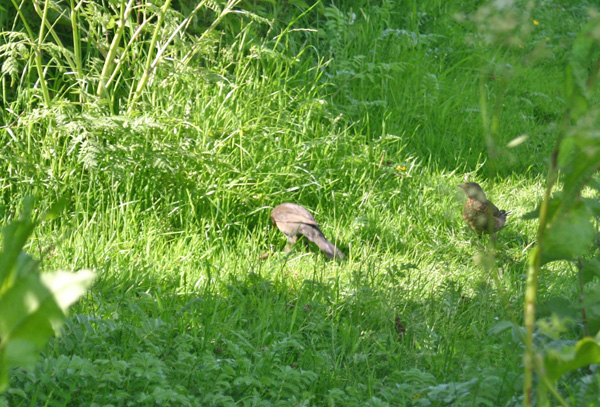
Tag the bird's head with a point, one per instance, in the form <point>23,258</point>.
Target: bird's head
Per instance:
<point>473,191</point>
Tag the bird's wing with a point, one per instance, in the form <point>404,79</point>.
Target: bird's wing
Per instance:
<point>493,209</point>
<point>292,213</point>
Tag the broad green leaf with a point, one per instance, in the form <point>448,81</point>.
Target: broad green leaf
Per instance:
<point>560,306</point>
<point>590,269</point>
<point>15,237</point>
<point>580,153</point>
<point>21,321</point>
<point>591,301</point>
<point>21,352</point>
<point>593,322</point>
<point>593,205</point>
<point>586,45</point>
<point>66,286</point>
<point>26,265</point>
<point>32,310</point>
<point>21,308</point>
<point>591,304</point>
<point>565,152</point>
<point>577,101</point>
<point>557,363</point>
<point>585,133</point>
<point>570,235</point>
<point>580,67</point>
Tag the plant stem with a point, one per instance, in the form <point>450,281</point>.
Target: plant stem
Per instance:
<point>110,57</point>
<point>77,46</point>
<point>148,67</point>
<point>37,47</point>
<point>533,270</point>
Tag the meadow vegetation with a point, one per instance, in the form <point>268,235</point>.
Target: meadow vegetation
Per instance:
<point>172,138</point>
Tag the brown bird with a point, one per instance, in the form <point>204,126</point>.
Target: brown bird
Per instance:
<point>479,213</point>
<point>295,221</point>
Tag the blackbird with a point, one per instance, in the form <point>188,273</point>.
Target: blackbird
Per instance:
<point>479,213</point>
<point>295,221</point>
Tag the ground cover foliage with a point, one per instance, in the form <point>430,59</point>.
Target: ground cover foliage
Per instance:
<point>173,134</point>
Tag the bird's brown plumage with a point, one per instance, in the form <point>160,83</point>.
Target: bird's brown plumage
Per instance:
<point>480,214</point>
<point>295,221</point>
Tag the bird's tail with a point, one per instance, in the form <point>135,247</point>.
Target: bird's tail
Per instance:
<point>316,236</point>
<point>500,221</point>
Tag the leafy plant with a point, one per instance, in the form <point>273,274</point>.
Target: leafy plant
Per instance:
<point>566,230</point>
<point>364,112</point>
<point>33,306</point>
<point>93,69</point>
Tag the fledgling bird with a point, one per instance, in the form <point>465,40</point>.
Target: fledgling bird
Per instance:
<point>295,221</point>
<point>480,214</point>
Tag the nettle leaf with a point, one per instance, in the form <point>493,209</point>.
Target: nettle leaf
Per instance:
<point>568,358</point>
<point>570,235</point>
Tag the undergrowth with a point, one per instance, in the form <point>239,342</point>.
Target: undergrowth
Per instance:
<point>368,114</point>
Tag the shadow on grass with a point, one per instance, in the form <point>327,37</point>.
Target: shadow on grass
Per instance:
<point>269,333</point>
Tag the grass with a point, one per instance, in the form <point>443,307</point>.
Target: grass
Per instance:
<point>370,122</point>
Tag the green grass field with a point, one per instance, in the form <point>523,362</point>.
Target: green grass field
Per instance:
<point>368,114</point>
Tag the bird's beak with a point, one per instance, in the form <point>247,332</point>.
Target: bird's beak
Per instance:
<point>462,186</point>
